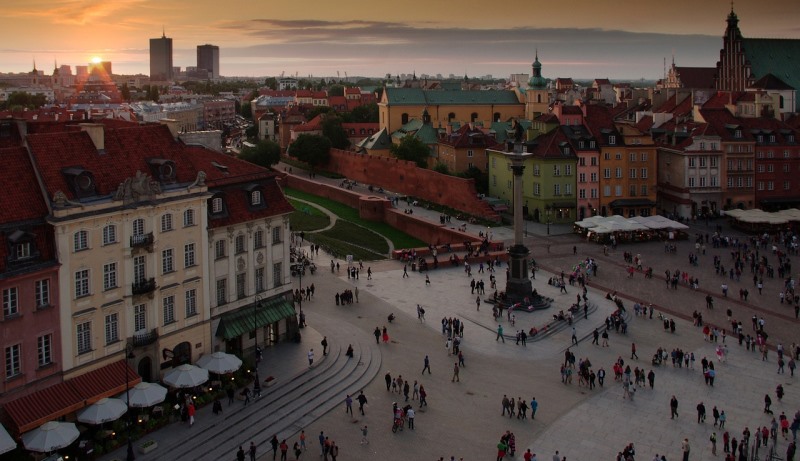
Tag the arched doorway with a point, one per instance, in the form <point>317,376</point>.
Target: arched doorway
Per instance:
<point>182,354</point>
<point>145,369</point>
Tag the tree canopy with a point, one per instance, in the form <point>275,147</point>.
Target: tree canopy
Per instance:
<point>312,149</point>
<point>265,153</point>
<point>367,113</point>
<point>412,149</point>
<point>332,129</point>
<point>25,100</point>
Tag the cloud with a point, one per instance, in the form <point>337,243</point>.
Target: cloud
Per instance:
<point>71,12</point>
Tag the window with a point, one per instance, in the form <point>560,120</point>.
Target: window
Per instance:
<point>222,292</point>
<point>786,154</point>
<point>44,347</point>
<point>612,140</point>
<point>81,240</point>
<point>219,249</point>
<point>188,255</point>
<point>594,159</point>
<point>138,269</point>
<point>632,190</point>
<point>606,191</point>
<point>191,302</point>
<point>109,234</point>
<point>556,170</point>
<point>109,276</point>
<point>770,154</point>
<point>169,309</point>
<point>138,227</point>
<point>255,198</point>
<point>691,162</point>
<point>749,181</point>
<point>761,185</point>
<point>618,156</point>
<point>42,292</point>
<point>713,162</point>
<point>82,283</point>
<point>556,189</point>
<point>470,153</point>
<point>188,218</point>
<point>23,250</point>
<point>582,160</point>
<point>618,172</point>
<point>644,190</point>
<point>691,181</point>
<point>167,261</point>
<point>582,177</point>
<point>786,168</point>
<point>787,185</point>
<point>166,222</point>
<point>536,171</point>
<point>140,318</point>
<point>632,173</point>
<point>216,205</point>
<point>714,181</point>
<point>112,328</point>
<point>593,193</point>
<point>730,165</point>
<point>84,337</point>
<point>607,173</point>
<point>593,177</point>
<point>568,170</point>
<point>241,286</point>
<point>770,168</point>
<point>276,235</point>
<point>643,173</point>
<point>702,146</point>
<point>581,193</point>
<point>740,182</point>
<point>537,189</point>
<point>618,191</point>
<point>702,181</point>
<point>760,168</point>
<point>259,280</point>
<point>567,189</point>
<point>238,244</point>
<point>258,239</point>
<point>10,302</point>
<point>13,361</point>
<point>277,274</point>
<point>730,182</point>
<point>702,162</point>
<point>632,156</point>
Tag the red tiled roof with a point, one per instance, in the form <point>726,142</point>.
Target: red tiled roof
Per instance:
<point>645,123</point>
<point>22,199</point>
<point>352,90</point>
<point>469,136</point>
<point>697,77</point>
<point>33,410</point>
<point>549,145</point>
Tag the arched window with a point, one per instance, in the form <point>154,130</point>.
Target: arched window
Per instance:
<point>538,98</point>
<point>404,118</point>
<point>496,117</point>
<point>451,116</point>
<point>473,117</point>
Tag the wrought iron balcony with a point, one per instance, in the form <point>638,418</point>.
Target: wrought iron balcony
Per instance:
<point>141,241</point>
<point>144,287</point>
<point>144,339</point>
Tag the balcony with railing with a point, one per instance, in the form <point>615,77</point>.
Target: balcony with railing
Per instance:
<point>144,338</point>
<point>143,287</point>
<point>142,240</point>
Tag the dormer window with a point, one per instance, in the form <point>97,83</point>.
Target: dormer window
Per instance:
<point>21,245</point>
<point>216,205</point>
<point>737,134</point>
<point>80,181</point>
<point>163,169</point>
<point>612,140</point>
<point>255,198</point>
<point>23,250</point>
<point>772,138</point>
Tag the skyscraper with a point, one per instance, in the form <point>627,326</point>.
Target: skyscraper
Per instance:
<point>208,59</point>
<point>161,58</point>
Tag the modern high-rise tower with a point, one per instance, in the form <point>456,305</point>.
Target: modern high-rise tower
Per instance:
<point>161,58</point>
<point>208,59</point>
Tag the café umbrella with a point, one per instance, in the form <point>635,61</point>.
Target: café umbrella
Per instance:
<point>220,363</point>
<point>186,376</point>
<point>102,411</point>
<point>145,395</point>
<point>6,442</point>
<point>50,436</point>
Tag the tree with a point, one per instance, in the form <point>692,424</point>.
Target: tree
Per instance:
<point>26,100</point>
<point>271,83</point>
<point>332,129</point>
<point>125,92</point>
<point>312,149</point>
<point>265,153</point>
<point>412,149</point>
<point>336,90</point>
<point>246,110</point>
<point>441,168</point>
<point>367,113</point>
<point>481,179</point>
<point>314,111</point>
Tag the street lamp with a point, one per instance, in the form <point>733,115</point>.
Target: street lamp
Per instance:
<point>129,355</point>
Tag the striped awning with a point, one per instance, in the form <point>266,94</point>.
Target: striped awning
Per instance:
<point>249,318</point>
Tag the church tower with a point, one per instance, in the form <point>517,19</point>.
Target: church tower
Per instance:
<point>537,97</point>
<point>733,70</point>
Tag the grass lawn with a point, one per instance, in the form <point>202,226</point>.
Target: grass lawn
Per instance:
<point>399,239</point>
<point>307,217</point>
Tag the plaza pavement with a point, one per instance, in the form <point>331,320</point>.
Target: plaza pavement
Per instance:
<point>464,419</point>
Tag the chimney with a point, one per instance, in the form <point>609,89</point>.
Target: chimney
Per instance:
<point>173,125</point>
<point>95,131</point>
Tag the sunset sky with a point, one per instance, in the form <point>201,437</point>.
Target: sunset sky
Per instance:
<point>578,38</point>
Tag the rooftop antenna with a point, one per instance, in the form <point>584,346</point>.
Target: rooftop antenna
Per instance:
<point>163,31</point>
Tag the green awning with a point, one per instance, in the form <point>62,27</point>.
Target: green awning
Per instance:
<point>246,319</point>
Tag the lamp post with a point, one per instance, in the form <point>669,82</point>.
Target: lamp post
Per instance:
<point>128,355</point>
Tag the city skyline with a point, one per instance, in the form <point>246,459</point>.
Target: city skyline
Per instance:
<point>624,40</point>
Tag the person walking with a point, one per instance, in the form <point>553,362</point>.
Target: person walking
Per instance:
<point>685,448</point>
<point>364,440</point>
<point>673,407</point>
<point>240,454</point>
<point>324,345</point>
<point>713,440</point>
<point>410,416</point>
<point>362,400</point>
<point>310,357</point>
<point>427,365</point>
<point>534,407</point>
<point>478,302</point>
<point>377,334</point>
<point>252,451</point>
<point>348,405</point>
<point>274,442</point>
<point>455,372</point>
<point>633,352</point>
<point>388,378</point>
<point>574,336</point>
<point>500,333</point>
<point>284,447</point>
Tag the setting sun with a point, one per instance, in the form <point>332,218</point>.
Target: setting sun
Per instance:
<point>97,60</point>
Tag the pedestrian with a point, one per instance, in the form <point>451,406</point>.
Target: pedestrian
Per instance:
<point>478,302</point>
<point>410,416</point>
<point>701,413</point>
<point>240,454</point>
<point>790,450</point>
<point>422,397</point>
<point>333,451</point>
<point>348,405</point>
<point>310,357</point>
<point>405,270</point>
<point>427,365</point>
<point>673,407</point>
<point>274,442</point>
<point>685,449</point>
<point>297,451</point>
<point>252,451</point>
<point>651,378</point>
<point>377,334</point>
<point>633,352</point>
<point>303,440</point>
<point>534,407</point>
<point>362,400</point>
<point>574,336</point>
<point>324,345</point>
<point>406,389</point>
<point>713,440</point>
<point>500,333</point>
<point>455,374</point>
<point>388,378</point>
<point>601,376</point>
<point>284,447</point>
<point>231,394</point>
<point>322,443</point>
<point>190,410</point>
<point>364,440</point>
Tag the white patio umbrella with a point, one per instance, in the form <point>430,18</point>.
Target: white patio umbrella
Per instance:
<point>220,363</point>
<point>186,376</point>
<point>50,436</point>
<point>102,411</point>
<point>145,395</point>
<point>6,442</point>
